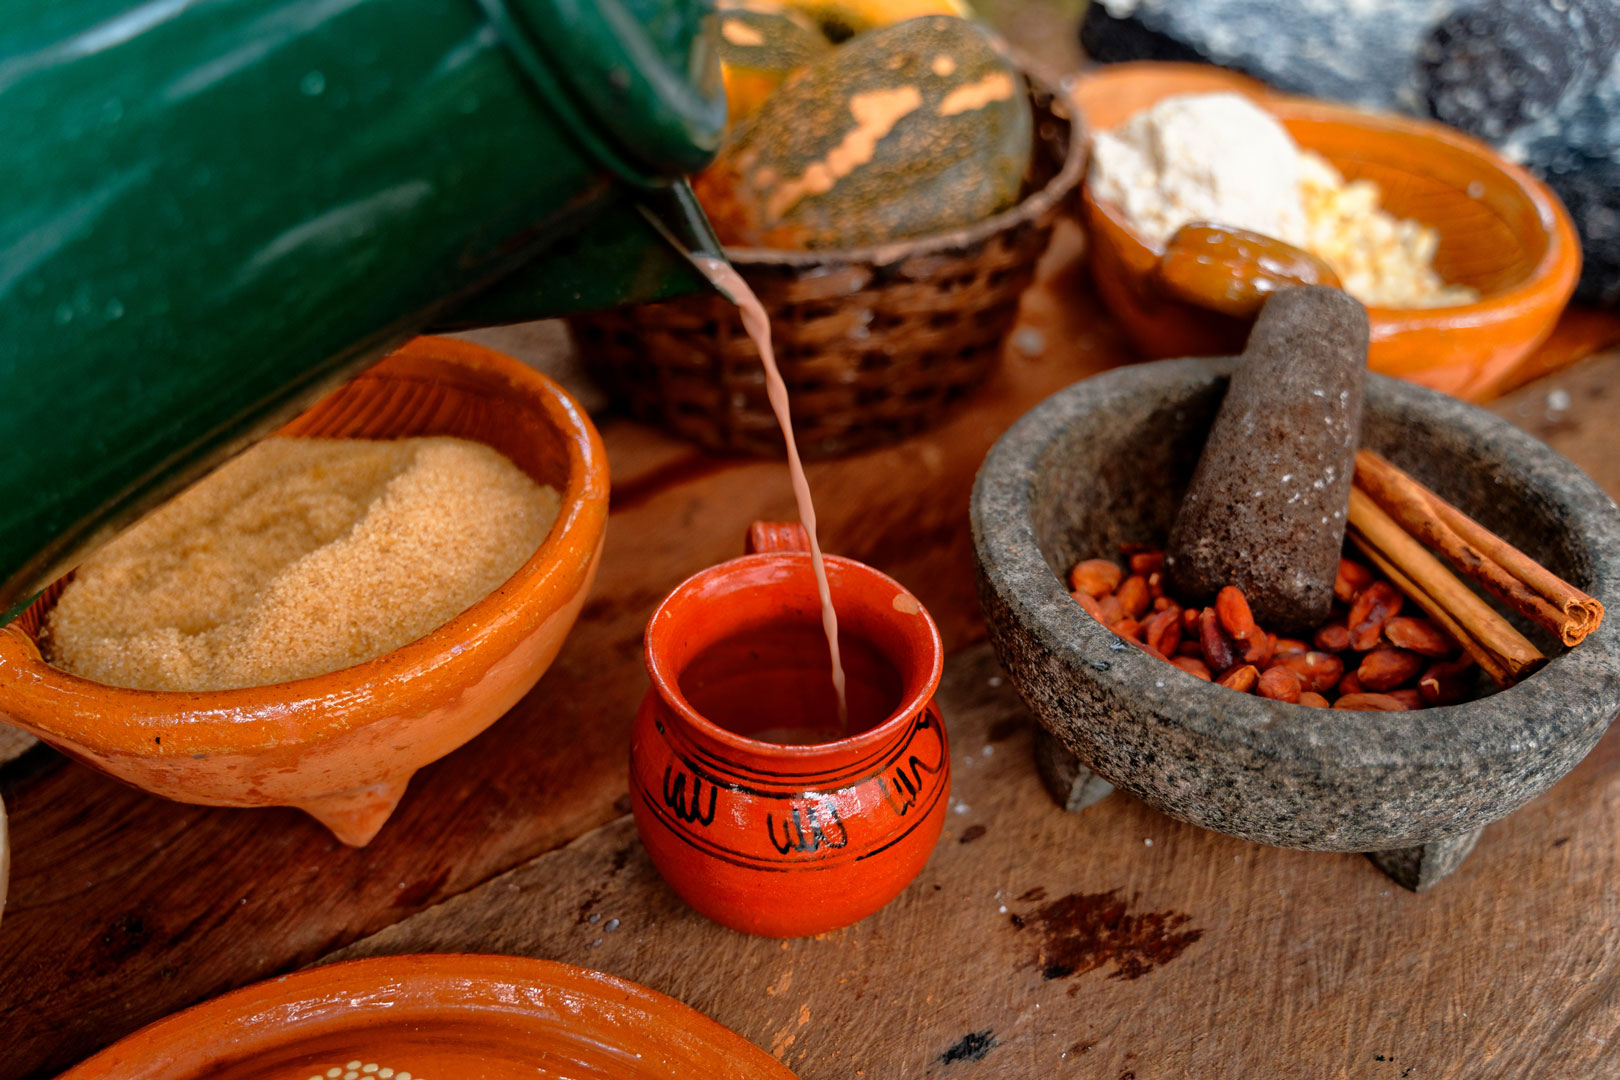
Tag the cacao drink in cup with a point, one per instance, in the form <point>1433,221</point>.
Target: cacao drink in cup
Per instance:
<point>757,323</point>
<point>761,809</point>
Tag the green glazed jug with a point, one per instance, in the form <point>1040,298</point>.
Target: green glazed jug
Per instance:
<point>213,210</point>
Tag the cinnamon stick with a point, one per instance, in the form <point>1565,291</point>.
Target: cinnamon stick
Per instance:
<point>1502,651</point>
<point>1502,569</point>
<point>1582,613</point>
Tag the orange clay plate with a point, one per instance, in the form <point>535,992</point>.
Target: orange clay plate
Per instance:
<point>436,1017</point>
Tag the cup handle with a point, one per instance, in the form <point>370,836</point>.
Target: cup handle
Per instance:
<point>1233,271</point>
<point>776,536</point>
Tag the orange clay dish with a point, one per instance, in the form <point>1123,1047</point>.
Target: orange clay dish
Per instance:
<point>1502,232</point>
<point>343,745</point>
<point>438,1017</point>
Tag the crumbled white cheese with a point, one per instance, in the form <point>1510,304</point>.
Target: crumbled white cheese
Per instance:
<point>1381,260</point>
<point>1221,159</point>
<point>1201,157</point>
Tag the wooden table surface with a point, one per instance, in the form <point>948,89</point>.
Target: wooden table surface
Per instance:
<point>1186,953</point>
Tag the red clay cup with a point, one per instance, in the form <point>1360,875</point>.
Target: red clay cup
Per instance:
<point>753,805</point>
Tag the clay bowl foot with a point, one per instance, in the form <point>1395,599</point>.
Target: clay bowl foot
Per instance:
<point>356,816</point>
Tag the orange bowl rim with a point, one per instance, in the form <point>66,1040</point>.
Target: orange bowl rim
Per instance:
<point>472,994</point>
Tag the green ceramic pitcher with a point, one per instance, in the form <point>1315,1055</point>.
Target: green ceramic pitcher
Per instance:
<point>212,210</point>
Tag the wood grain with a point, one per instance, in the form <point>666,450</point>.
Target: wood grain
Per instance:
<point>124,908</point>
<point>1147,946</point>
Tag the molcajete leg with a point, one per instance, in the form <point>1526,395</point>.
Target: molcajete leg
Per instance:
<point>1074,786</point>
<point>1421,868</point>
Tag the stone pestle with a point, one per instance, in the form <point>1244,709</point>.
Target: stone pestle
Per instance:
<point>1266,508</point>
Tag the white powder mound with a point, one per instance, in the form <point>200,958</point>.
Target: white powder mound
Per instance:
<point>1201,157</point>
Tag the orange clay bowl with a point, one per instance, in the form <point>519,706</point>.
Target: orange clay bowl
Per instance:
<point>1502,232</point>
<point>437,1017</point>
<point>342,746</point>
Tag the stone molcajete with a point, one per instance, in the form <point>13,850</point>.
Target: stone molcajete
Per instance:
<point>752,803</point>
<point>1106,462</point>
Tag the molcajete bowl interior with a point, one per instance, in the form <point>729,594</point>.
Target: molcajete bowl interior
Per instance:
<point>342,746</point>
<point>1107,460</point>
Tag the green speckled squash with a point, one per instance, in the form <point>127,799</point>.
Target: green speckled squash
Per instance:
<point>843,19</point>
<point>759,49</point>
<point>911,129</point>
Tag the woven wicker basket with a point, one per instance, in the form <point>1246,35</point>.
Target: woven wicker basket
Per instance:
<point>874,343</point>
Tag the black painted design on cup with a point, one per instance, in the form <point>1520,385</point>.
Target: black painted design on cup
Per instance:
<point>808,829</point>
<point>902,788</point>
<point>676,798</point>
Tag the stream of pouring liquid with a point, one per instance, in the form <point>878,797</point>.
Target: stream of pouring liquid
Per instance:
<point>758,325</point>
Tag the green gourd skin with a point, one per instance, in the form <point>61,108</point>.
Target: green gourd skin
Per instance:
<point>759,49</point>
<point>915,128</point>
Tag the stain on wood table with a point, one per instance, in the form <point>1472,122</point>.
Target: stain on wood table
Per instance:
<point>124,907</point>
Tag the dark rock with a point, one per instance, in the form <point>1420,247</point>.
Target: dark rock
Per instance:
<point>1493,68</point>
<point>1365,52</point>
<point>1541,79</point>
<point>1577,151</point>
<point>1108,38</point>
<point>1105,462</point>
<point>1590,188</point>
<point>1266,507</point>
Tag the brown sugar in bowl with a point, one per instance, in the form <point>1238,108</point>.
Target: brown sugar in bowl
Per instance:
<point>342,746</point>
<point>1502,232</point>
